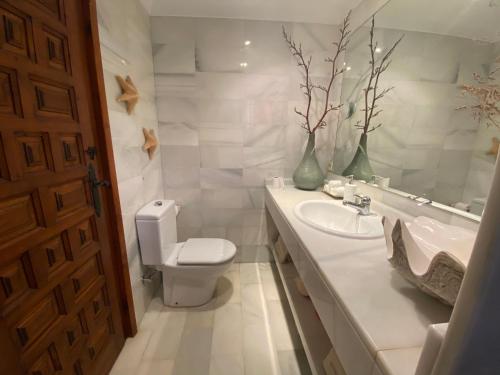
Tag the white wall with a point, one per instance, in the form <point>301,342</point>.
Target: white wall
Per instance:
<point>224,128</point>
<point>125,35</point>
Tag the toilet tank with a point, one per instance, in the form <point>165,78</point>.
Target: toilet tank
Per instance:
<point>157,231</point>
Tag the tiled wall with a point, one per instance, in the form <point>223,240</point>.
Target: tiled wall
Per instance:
<point>224,128</point>
<point>125,33</point>
<point>425,145</point>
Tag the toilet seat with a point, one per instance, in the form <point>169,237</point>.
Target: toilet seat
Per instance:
<point>205,251</point>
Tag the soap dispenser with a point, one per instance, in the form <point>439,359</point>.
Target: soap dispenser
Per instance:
<point>349,189</point>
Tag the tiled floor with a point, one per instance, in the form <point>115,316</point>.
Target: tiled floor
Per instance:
<point>247,329</point>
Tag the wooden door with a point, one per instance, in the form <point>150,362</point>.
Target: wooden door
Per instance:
<point>58,295</point>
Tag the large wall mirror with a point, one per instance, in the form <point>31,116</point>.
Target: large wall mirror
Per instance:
<point>435,126</point>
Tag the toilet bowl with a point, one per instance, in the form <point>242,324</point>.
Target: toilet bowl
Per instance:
<point>190,269</point>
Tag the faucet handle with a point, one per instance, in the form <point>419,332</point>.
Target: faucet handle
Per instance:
<point>363,199</point>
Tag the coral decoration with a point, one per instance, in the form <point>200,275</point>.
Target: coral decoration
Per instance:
<point>486,95</point>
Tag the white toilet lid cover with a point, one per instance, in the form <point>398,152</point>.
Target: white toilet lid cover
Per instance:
<point>206,251</point>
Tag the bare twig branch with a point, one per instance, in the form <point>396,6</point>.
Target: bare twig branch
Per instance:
<point>308,87</point>
<point>371,93</point>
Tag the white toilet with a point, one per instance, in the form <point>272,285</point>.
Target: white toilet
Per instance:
<point>190,269</point>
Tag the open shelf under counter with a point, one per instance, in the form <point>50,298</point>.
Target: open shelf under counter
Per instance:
<point>312,333</point>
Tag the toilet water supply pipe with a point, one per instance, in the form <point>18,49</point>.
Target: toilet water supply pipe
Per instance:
<point>472,343</point>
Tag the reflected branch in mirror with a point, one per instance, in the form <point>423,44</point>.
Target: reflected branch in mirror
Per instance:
<point>371,92</point>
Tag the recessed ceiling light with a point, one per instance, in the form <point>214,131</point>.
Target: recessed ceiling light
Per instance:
<point>243,64</point>
<point>348,68</point>
<point>248,42</point>
<point>378,50</point>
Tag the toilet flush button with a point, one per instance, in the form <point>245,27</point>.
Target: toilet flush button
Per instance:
<point>158,203</point>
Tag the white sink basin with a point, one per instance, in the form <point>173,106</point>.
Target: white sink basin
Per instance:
<point>334,218</point>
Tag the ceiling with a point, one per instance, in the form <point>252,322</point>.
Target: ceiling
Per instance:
<point>313,11</point>
<point>472,19</point>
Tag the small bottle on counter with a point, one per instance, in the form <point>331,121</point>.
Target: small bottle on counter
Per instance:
<point>349,190</point>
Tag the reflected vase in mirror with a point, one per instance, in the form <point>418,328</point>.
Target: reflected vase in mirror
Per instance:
<point>308,175</point>
<point>360,166</point>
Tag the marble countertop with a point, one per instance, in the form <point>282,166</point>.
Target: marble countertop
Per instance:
<point>390,315</point>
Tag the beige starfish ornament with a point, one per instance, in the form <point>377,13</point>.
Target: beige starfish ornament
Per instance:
<point>129,94</point>
<point>495,146</point>
<point>150,142</point>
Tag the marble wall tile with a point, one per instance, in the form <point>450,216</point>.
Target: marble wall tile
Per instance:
<point>180,156</point>
<point>184,197</point>
<point>212,178</point>
<point>263,157</point>
<point>223,198</point>
<point>176,58</point>
<point>184,177</point>
<point>125,37</point>
<point>178,134</point>
<point>215,136</point>
<point>266,113</point>
<point>221,156</point>
<point>173,110</point>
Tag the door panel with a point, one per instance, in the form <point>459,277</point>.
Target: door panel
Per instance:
<point>59,309</point>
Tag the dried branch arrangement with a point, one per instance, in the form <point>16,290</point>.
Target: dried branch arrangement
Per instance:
<point>372,93</point>
<point>308,87</point>
<point>486,95</point>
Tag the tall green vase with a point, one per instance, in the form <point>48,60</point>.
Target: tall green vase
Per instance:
<point>360,166</point>
<point>308,175</point>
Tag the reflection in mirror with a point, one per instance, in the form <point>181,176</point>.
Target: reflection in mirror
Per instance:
<point>436,127</point>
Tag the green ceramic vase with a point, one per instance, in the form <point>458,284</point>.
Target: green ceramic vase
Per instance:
<point>360,166</point>
<point>308,175</point>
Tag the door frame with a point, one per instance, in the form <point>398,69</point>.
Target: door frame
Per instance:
<point>108,170</point>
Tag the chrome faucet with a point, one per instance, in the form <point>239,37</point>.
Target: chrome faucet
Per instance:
<point>361,203</point>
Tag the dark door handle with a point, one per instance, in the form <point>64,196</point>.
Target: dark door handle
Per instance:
<point>94,189</point>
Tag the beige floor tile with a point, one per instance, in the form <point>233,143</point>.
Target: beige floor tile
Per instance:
<point>192,366</point>
<point>149,320</point>
<point>227,336</point>
<point>284,333</point>
<point>257,353</point>
<point>227,365</point>
<point>165,340</point>
<point>131,354</point>
<point>161,367</point>
<point>293,362</point>
<point>228,289</point>
<point>196,340</point>
<point>252,304</point>
<point>248,273</point>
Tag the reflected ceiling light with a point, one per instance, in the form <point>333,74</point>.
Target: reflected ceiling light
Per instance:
<point>243,64</point>
<point>378,50</point>
<point>348,68</point>
<point>248,42</point>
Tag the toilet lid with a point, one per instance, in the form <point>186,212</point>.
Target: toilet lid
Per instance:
<point>206,251</point>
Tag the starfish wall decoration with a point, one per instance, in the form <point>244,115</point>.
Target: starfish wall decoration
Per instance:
<point>150,142</point>
<point>129,93</point>
<point>495,146</point>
